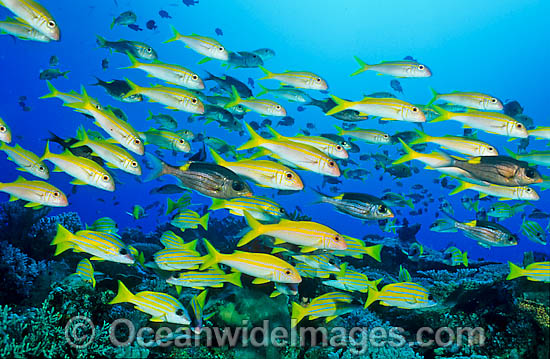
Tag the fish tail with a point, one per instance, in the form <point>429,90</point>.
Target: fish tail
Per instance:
<point>150,116</point>
<point>101,41</point>
<point>113,23</point>
<point>123,296</point>
<point>462,187</point>
<point>213,257</point>
<point>65,74</point>
<point>511,153</point>
<point>276,135</point>
<point>372,297</point>
<point>465,258</point>
<point>217,158</point>
<point>255,231</point>
<point>263,92</point>
<point>53,91</point>
<point>255,139</point>
<point>82,136</point>
<point>268,74</point>
<point>47,152</point>
<point>298,313</point>
<point>203,221</point>
<point>374,251</point>
<point>216,204</point>
<point>134,62</point>
<point>434,97</point>
<point>515,271</point>
<point>234,278</point>
<point>339,130</point>
<point>62,239</point>
<point>341,105</point>
<point>170,206</point>
<point>409,155</point>
<point>235,98</point>
<point>363,64</point>
<point>422,138</point>
<point>134,89</point>
<point>176,36</point>
<point>159,167</point>
<point>444,115</point>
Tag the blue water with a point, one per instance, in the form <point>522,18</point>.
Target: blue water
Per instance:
<point>492,47</point>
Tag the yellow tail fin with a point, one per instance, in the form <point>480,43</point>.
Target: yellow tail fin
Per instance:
<point>268,74</point>
<point>298,313</point>
<point>203,221</point>
<point>235,98</point>
<point>363,64</point>
<point>515,271</point>
<point>444,115</point>
<point>217,158</point>
<point>462,187</point>
<point>213,257</point>
<point>255,139</point>
<point>234,278</point>
<point>341,105</point>
<point>53,91</point>
<point>422,138</point>
<point>176,36</point>
<point>373,296</point>
<point>255,231</point>
<point>123,295</point>
<point>409,156</point>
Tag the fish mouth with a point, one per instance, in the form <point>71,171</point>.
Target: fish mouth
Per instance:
<point>293,288</point>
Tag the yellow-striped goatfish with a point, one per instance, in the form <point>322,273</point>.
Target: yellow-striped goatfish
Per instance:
<point>37,193</point>
<point>298,79</point>
<point>26,160</point>
<point>401,68</point>
<point>204,45</point>
<point>35,15</point>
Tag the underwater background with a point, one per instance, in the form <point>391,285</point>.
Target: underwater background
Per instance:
<point>498,48</point>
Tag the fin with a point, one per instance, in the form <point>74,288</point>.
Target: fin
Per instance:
<point>276,135</point>
<point>511,153</point>
<point>260,281</point>
<point>134,62</point>
<point>372,297</point>
<point>465,258</point>
<point>235,279</point>
<point>298,313</point>
<point>217,158</point>
<point>374,251</point>
<point>235,98</point>
<point>63,240</point>
<point>176,36</point>
<point>78,182</point>
<point>278,250</point>
<point>203,221</point>
<point>434,97</point>
<point>268,74</point>
<point>409,156</point>
<point>341,105</point>
<point>274,294</point>
<point>444,115</point>
<point>363,64</point>
<point>217,204</point>
<point>308,249</point>
<point>204,60</point>
<point>255,139</point>
<point>123,295</point>
<point>339,130</point>
<point>33,205</point>
<point>515,271</point>
<point>213,256</point>
<point>255,231</point>
<point>134,89</point>
<point>422,138</point>
<point>264,91</point>
<point>53,91</point>
<point>159,167</point>
<point>462,187</point>
<point>96,258</point>
<point>331,318</point>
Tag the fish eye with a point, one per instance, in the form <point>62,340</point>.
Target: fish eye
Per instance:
<point>382,209</point>
<point>421,67</point>
<point>278,107</point>
<point>56,194</point>
<point>106,178</point>
<point>220,48</point>
<point>494,100</point>
<point>237,186</point>
<point>179,312</point>
<point>194,100</point>
<point>528,190</point>
<point>415,109</point>
<point>195,77</point>
<point>519,125</point>
<point>137,141</point>
<point>289,175</point>
<point>337,238</point>
<point>491,149</point>
<point>282,210</point>
<point>530,172</point>
<point>288,272</point>
<point>2,129</point>
<point>539,235</point>
<point>344,143</point>
<point>123,251</point>
<point>430,297</point>
<point>318,79</point>
<point>149,50</point>
<point>339,148</point>
<point>51,24</point>
<point>331,163</point>
<point>386,136</point>
<point>41,168</point>
<point>182,141</point>
<point>134,164</point>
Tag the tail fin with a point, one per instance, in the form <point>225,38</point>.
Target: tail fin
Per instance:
<point>159,167</point>
<point>465,258</point>
<point>213,256</point>
<point>135,89</point>
<point>409,156</point>
<point>341,105</point>
<point>363,64</point>
<point>462,187</point>
<point>255,139</point>
<point>235,279</point>
<point>217,158</point>
<point>217,204</point>
<point>101,41</point>
<point>276,135</point>
<point>434,97</point>
<point>203,221</point>
<point>339,130</point>
<point>422,138</point>
<point>235,98</point>
<point>47,152</point>
<point>170,206</point>
<point>373,296</point>
<point>444,115</point>
<point>263,92</point>
<point>135,63</point>
<point>123,295</point>
<point>298,313</point>
<point>515,271</point>
<point>176,36</point>
<point>255,231</point>
<point>53,91</point>
<point>113,23</point>
<point>374,251</point>
<point>82,136</point>
<point>268,74</point>
<point>63,240</point>
<point>511,153</point>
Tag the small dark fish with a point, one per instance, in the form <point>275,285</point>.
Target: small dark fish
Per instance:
<point>538,214</point>
<point>251,82</point>
<point>264,53</point>
<point>116,203</point>
<point>396,85</point>
<point>190,2</point>
<point>101,200</point>
<point>300,108</point>
<point>138,49</point>
<point>254,125</point>
<point>164,14</point>
<point>305,132</point>
<point>218,31</point>
<point>118,89</point>
<point>512,108</point>
<point>104,64</point>
<point>135,27</point>
<point>266,122</point>
<point>167,189</point>
<point>151,25</point>
<point>358,205</point>
<point>364,157</point>
<point>199,156</point>
<point>245,59</point>
<point>22,98</point>
<point>126,18</point>
<point>54,61</point>
<point>51,74</point>
<point>152,205</point>
<point>286,121</point>
<point>409,58</point>
<point>227,82</point>
<point>74,189</point>
<point>310,125</point>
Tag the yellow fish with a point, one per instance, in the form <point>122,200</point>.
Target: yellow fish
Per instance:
<point>26,160</point>
<point>36,15</point>
<point>37,193</point>
<point>298,79</point>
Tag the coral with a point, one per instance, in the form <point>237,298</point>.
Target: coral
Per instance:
<point>540,312</point>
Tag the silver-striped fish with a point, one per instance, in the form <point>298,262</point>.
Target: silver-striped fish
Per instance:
<point>402,68</point>
<point>37,193</point>
<point>35,15</point>
<point>26,160</point>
